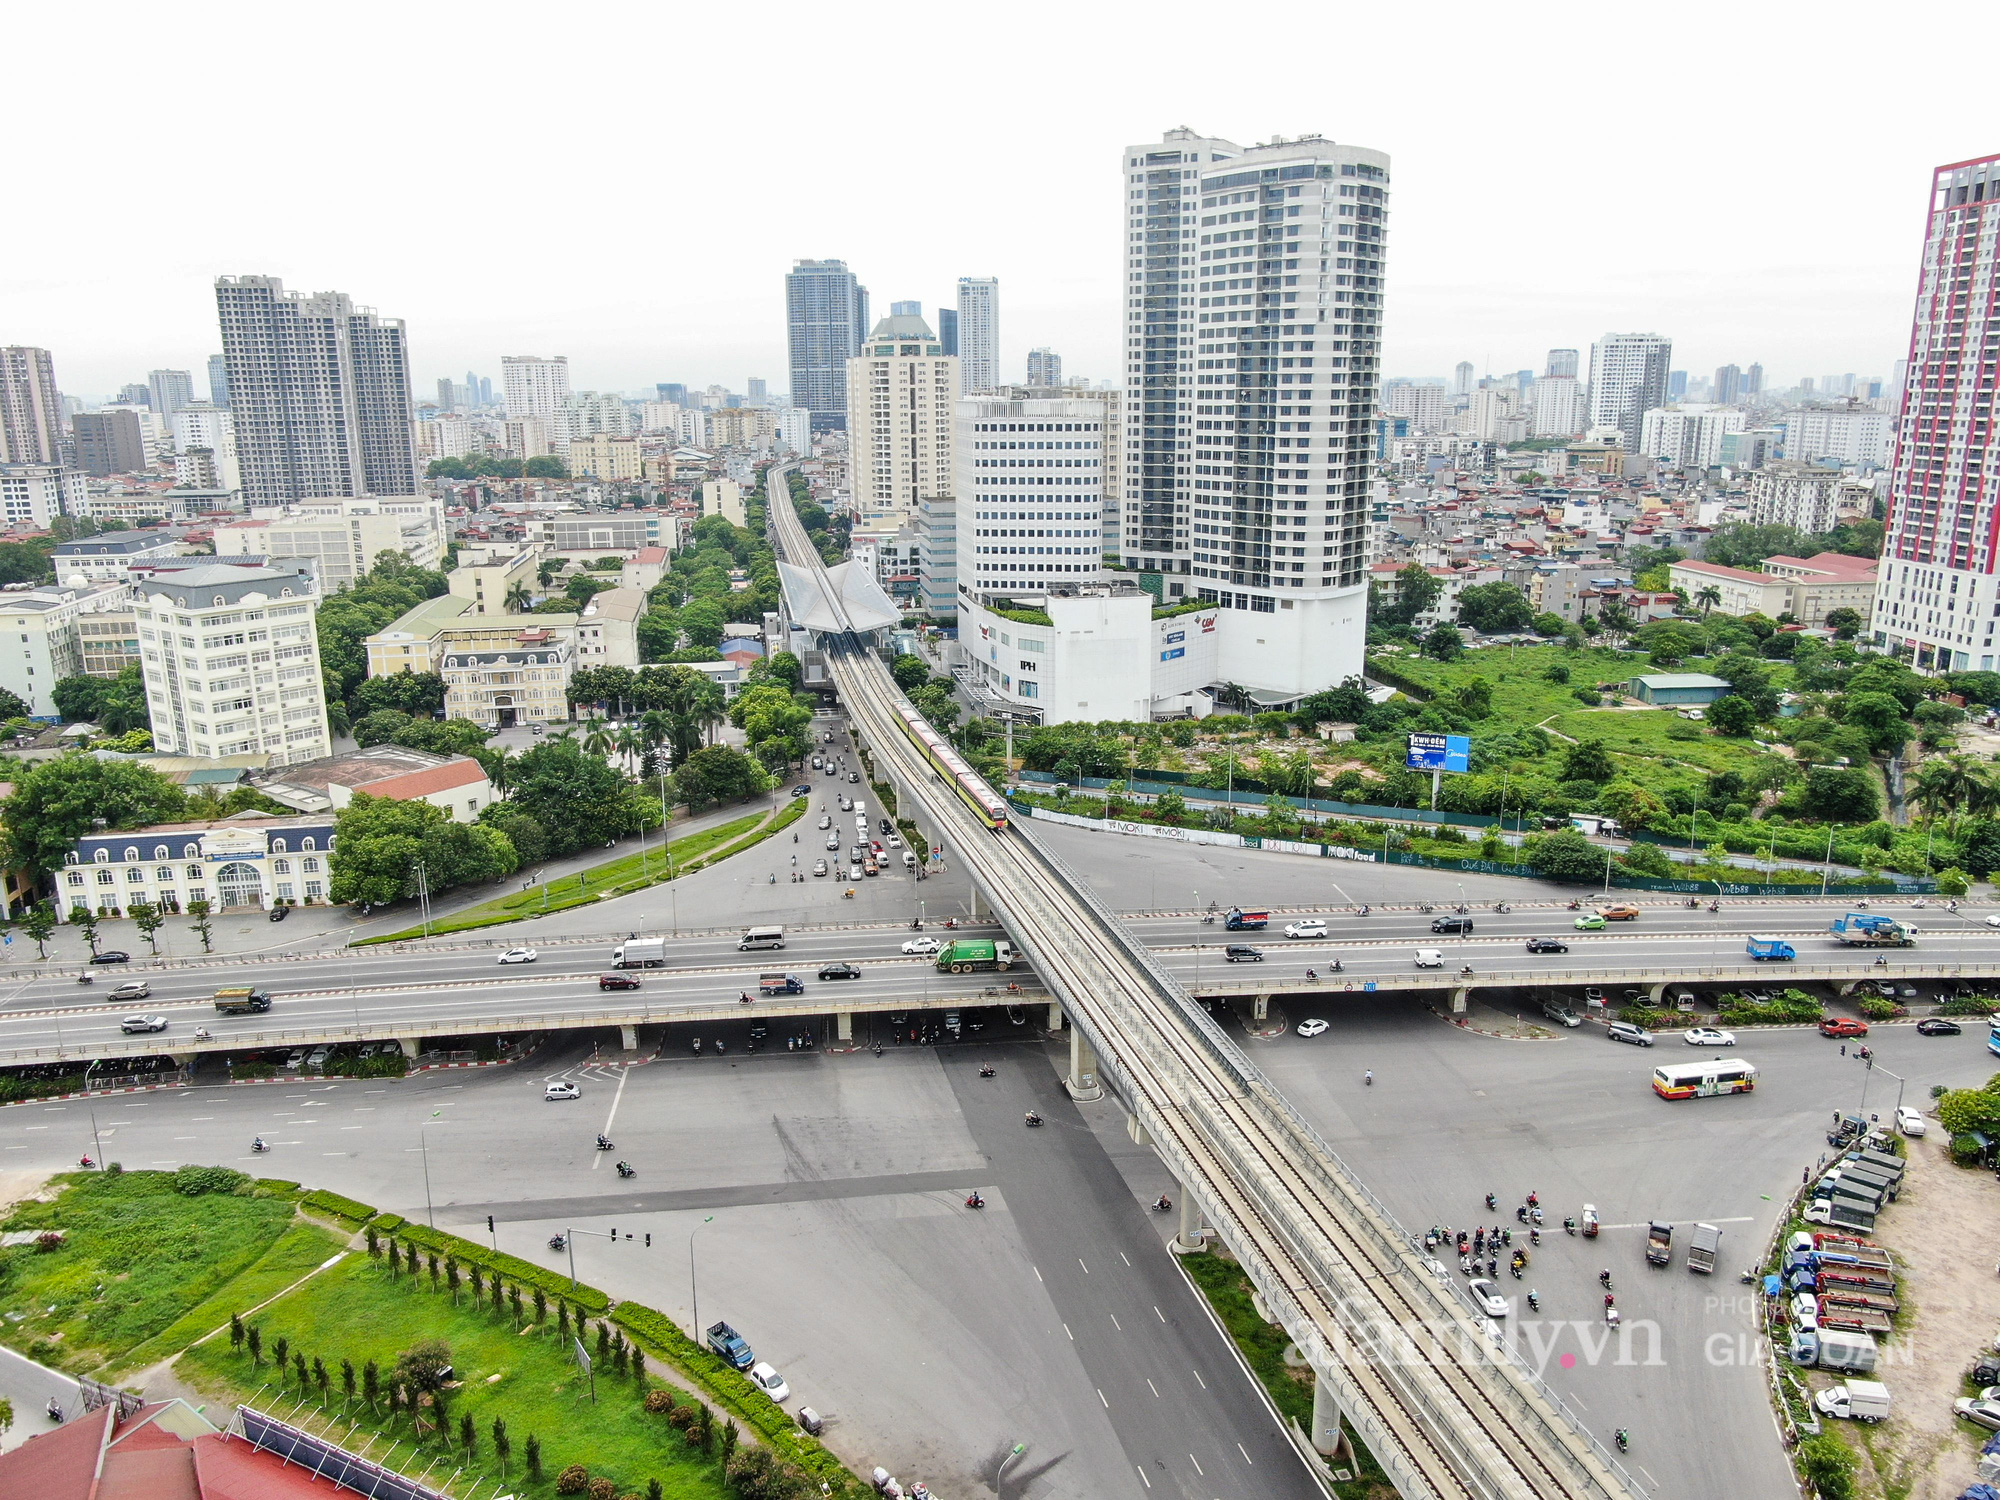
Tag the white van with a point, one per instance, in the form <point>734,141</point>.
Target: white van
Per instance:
<point>1430,958</point>
<point>762,937</point>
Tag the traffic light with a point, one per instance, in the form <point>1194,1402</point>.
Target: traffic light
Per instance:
<point>489,1223</point>
<point>649,1240</point>
<point>614,1233</point>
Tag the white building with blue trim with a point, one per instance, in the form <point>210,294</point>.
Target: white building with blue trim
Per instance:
<point>243,863</point>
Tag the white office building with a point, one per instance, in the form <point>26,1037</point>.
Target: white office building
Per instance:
<point>1628,378</point>
<point>978,333</point>
<point>230,656</point>
<point>1253,355</point>
<point>1804,496</point>
<point>1688,436</point>
<point>1030,491</point>
<point>533,386</point>
<point>1849,434</point>
<point>901,390</point>
<point>341,537</point>
<point>203,425</point>
<point>33,494</point>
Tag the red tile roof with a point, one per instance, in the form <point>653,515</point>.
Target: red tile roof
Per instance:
<point>413,784</point>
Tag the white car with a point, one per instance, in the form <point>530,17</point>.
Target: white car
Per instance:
<point>1708,1036</point>
<point>1910,1121</point>
<point>518,956</point>
<point>921,945</point>
<point>296,1061</point>
<point>316,1059</point>
<point>1312,1028</point>
<point>833,843</point>
<point>895,842</point>
<point>819,867</point>
<point>562,1091</point>
<point>1805,1312</point>
<point>143,1023</point>
<point>825,821</point>
<point>1310,927</point>
<point>1490,1301</point>
<point>770,1382</point>
<point>1994,920</point>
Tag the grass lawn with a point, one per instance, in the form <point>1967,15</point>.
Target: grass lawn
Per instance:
<point>356,1312</point>
<point>1522,692</point>
<point>138,1257</point>
<point>615,877</point>
<point>1643,733</point>
<point>293,1255</point>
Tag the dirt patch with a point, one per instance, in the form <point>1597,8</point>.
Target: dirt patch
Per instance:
<point>17,1185</point>
<point>1942,1230</point>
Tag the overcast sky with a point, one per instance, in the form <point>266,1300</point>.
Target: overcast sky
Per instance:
<point>628,184</point>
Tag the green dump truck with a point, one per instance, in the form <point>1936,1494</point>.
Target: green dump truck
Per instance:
<point>974,955</point>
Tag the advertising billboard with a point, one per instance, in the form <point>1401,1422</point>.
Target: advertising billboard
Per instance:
<point>1439,752</point>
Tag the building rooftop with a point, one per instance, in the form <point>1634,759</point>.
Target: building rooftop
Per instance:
<point>616,604</point>
<point>114,543</point>
<point>1659,681</point>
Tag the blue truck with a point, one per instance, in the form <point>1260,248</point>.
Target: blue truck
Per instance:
<point>731,1345</point>
<point>1860,929</point>
<point>1247,921</point>
<point>1763,948</point>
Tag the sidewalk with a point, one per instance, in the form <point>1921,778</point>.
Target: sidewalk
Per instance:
<point>319,928</point>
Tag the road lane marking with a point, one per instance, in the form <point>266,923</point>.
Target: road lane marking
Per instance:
<point>1036,1269</point>
<point>1142,1472</point>
<point>1198,1380</point>
<point>1197,1466</point>
<point>1115,1323</point>
<point>1072,1337</point>
<point>187,1137</point>
<point>1745,1219</point>
<point>1246,1455</point>
<point>35,1127</point>
<point>1100,1397</point>
<point>1158,1314</point>
<point>1153,1388</point>
<point>354,1127</point>
<point>1086,1269</point>
<point>599,1156</point>
<point>1124,1257</point>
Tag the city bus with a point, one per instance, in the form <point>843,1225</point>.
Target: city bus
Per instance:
<point>1697,1080</point>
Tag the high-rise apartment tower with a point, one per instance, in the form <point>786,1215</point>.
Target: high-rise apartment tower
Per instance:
<point>1249,403</point>
<point>320,392</point>
<point>826,319</point>
<point>900,392</point>
<point>218,380</point>
<point>533,386</point>
<point>1628,378</point>
<point>979,332</point>
<point>1936,599</point>
<point>31,407</point>
<point>1044,367</point>
<point>167,391</point>
<point>1562,364</point>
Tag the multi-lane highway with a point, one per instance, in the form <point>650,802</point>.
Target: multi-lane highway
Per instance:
<point>419,991</point>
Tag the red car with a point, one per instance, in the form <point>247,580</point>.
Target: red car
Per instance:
<point>1842,1026</point>
<point>617,982</point>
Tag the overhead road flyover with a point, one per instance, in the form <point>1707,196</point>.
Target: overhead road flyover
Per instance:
<point>1400,1353</point>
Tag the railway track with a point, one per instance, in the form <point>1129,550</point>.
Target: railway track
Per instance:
<point>1441,1403</point>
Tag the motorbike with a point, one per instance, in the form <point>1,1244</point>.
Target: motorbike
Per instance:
<point>1334,968</point>
<point>88,1164</point>
<point>1576,906</point>
<point>1032,1118</point>
<point>604,1145</point>
<point>54,1410</point>
<point>1502,906</point>
<point>986,1070</point>
<point>950,923</point>
<point>1492,1202</point>
<point>1534,1301</point>
<point>1312,973</point>
<point>848,894</point>
<point>1208,919</point>
<point>86,979</point>
<point>975,1201</point>
<point>202,1034</point>
<point>719,1047</point>
<point>1715,906</point>
<point>1622,1438</point>
<point>260,1145</point>
<point>1751,1277</point>
<point>917,924</point>
<point>1362,912</point>
<point>1690,903</point>
<point>625,1170</point>
<point>1425,907</point>
<point>1569,1225</point>
<point>1521,1214</point>
<point>1534,1236</point>
<point>1534,1198</point>
<point>1604,1280</point>
<point>697,1046</point>
<point>558,1241</point>
<point>1163,1205</point>
<point>742,999</point>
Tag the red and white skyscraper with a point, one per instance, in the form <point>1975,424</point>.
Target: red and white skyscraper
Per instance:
<point>1938,598</point>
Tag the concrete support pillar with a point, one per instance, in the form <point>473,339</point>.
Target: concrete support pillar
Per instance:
<point>628,1037</point>
<point>1260,1008</point>
<point>410,1045</point>
<point>1082,1080</point>
<point>1055,1015</point>
<point>1326,1434</point>
<point>1458,998</point>
<point>976,911</point>
<point>1659,992</point>
<point>182,1060</point>
<point>843,1025</point>
<point>1136,1131</point>
<point>1194,1231</point>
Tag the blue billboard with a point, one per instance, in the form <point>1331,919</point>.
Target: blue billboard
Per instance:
<point>1439,752</point>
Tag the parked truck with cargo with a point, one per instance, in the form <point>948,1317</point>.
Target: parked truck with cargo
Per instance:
<point>1835,1349</point>
<point>1840,1212</point>
<point>242,1000</point>
<point>1862,929</point>
<point>1834,1313</point>
<point>1770,949</point>
<point>1659,1243</point>
<point>1240,920</point>
<point>975,955</point>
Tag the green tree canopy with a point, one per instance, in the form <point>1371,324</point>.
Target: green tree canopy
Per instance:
<point>578,799</point>
<point>418,694</point>
<point>1495,607</point>
<point>718,773</point>
<point>380,843</point>
<point>56,803</point>
<point>1567,855</point>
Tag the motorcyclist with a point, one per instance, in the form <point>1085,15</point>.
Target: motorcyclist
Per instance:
<point>1164,1203</point>
<point>1623,1439</point>
<point>1032,1118</point>
<point>975,1201</point>
<point>257,1144</point>
<point>1534,1299</point>
<point>603,1144</point>
<point>54,1409</point>
<point>1312,973</point>
<point>1604,1278</point>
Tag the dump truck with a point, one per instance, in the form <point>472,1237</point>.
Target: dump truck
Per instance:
<point>242,1000</point>
<point>1862,929</point>
<point>1836,1281</point>
<point>640,953</point>
<point>731,1345</point>
<point>1659,1243</point>
<point>1706,1241</point>
<point>1770,948</point>
<point>1841,1249</point>
<point>975,955</point>
<point>1846,1297</point>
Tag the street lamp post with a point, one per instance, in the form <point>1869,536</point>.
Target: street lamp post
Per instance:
<point>694,1289</point>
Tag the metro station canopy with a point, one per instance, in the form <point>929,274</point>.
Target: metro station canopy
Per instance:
<point>857,602</point>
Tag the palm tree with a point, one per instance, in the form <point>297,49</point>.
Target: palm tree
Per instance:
<point>520,599</point>
<point>597,738</point>
<point>630,742</point>
<point>1708,597</point>
<point>1946,783</point>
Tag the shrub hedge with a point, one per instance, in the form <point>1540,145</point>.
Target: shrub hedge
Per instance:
<point>333,1203</point>
<point>511,1267</point>
<point>389,1223</point>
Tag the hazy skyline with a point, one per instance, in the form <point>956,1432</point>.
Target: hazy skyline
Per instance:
<point>1752,188</point>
